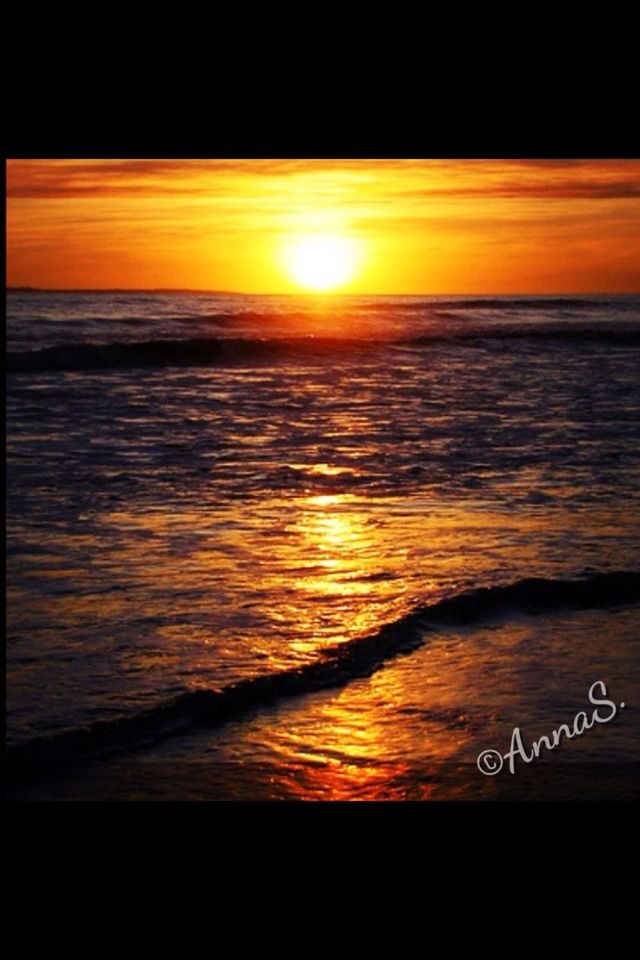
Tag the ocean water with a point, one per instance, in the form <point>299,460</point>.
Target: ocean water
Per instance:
<point>216,503</point>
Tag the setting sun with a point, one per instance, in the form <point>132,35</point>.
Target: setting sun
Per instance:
<point>354,226</point>
<point>321,262</point>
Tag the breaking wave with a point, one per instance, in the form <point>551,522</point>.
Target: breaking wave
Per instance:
<point>337,666</point>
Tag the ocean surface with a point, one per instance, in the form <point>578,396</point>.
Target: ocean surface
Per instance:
<point>285,547</point>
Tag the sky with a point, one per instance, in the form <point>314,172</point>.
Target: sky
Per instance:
<point>409,226</point>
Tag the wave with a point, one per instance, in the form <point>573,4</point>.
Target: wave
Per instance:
<point>336,666</point>
<point>211,351</point>
<point>526,303</point>
<point>204,351</point>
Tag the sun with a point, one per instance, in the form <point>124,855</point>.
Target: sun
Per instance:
<point>321,262</point>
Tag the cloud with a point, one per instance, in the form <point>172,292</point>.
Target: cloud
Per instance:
<point>381,181</point>
<point>52,179</point>
<point>581,189</point>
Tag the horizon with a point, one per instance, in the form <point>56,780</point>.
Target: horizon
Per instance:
<point>323,295</point>
<point>348,227</point>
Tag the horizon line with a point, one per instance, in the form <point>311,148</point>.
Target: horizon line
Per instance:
<point>316,294</point>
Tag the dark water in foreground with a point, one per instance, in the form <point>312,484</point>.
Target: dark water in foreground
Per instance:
<point>208,490</point>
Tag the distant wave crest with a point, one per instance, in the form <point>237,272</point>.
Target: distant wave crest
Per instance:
<point>526,303</point>
<point>211,351</point>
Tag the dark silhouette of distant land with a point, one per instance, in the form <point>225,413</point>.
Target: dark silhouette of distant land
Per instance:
<point>220,293</point>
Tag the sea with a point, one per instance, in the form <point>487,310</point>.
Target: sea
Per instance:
<point>322,547</point>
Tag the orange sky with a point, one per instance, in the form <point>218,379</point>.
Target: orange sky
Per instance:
<point>428,226</point>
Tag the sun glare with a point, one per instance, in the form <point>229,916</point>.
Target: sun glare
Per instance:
<point>321,262</point>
